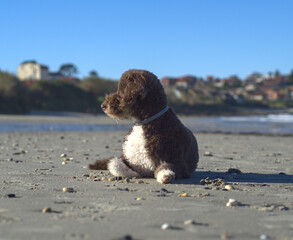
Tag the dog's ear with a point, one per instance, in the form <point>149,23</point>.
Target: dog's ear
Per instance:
<point>132,93</point>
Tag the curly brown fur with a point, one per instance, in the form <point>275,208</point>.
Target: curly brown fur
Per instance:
<point>163,148</point>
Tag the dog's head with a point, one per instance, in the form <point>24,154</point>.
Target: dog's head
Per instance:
<point>139,95</point>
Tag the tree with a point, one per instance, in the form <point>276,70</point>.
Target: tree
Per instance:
<point>68,70</point>
<point>9,85</point>
<point>93,73</point>
<point>277,73</point>
<point>290,78</point>
<point>12,94</point>
<point>98,86</point>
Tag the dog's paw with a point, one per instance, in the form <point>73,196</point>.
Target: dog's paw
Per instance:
<point>165,176</point>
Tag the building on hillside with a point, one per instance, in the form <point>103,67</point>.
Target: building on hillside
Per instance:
<point>186,82</point>
<point>31,70</point>
<point>168,82</point>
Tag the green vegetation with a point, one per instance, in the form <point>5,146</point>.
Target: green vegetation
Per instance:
<point>18,97</point>
<point>59,96</point>
<point>12,94</point>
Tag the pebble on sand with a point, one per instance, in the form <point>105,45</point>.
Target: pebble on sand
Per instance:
<point>140,198</point>
<point>63,155</point>
<point>233,170</point>
<point>189,222</point>
<point>184,195</point>
<point>264,236</point>
<point>68,189</point>
<point>46,210</point>
<point>225,236</point>
<point>232,203</point>
<point>229,187</point>
<point>166,226</point>
<point>11,195</point>
<point>208,154</point>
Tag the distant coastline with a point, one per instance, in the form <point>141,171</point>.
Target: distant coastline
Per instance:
<point>274,124</point>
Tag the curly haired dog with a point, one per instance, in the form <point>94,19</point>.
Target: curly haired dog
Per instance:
<point>158,145</point>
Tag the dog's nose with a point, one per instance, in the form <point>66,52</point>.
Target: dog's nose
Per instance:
<point>103,106</point>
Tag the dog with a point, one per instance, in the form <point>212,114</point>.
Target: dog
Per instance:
<point>158,144</point>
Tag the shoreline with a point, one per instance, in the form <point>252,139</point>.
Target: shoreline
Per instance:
<point>251,125</point>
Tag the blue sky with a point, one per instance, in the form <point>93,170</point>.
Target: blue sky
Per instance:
<point>167,37</point>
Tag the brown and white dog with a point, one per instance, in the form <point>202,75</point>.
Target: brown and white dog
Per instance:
<point>158,145</point>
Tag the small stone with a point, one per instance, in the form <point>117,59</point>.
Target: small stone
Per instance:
<point>11,195</point>
<point>229,187</point>
<point>208,154</point>
<point>126,237</point>
<point>86,175</point>
<point>68,189</point>
<point>184,195</point>
<point>233,203</point>
<point>64,163</point>
<point>111,179</point>
<point>127,180</point>
<point>46,210</point>
<point>118,178</point>
<point>263,237</point>
<point>140,181</point>
<point>225,236</point>
<point>166,226</point>
<point>104,179</point>
<point>63,155</point>
<point>189,222</point>
<point>140,199</point>
<point>233,170</point>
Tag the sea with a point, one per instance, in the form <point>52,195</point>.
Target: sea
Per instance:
<point>271,124</point>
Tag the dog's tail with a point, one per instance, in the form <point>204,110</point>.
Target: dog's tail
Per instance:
<point>100,164</point>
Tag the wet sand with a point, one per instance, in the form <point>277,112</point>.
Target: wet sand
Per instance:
<point>33,175</point>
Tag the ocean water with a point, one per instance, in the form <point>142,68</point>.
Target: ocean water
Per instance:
<point>273,124</point>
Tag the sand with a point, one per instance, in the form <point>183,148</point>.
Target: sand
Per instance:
<point>101,207</point>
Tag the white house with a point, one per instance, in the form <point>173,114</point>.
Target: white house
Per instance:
<point>31,70</point>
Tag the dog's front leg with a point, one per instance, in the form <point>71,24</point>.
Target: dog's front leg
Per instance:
<point>165,173</point>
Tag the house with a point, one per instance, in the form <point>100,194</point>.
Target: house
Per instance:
<point>186,81</point>
<point>271,94</point>
<point>31,70</point>
<point>168,82</point>
<point>257,96</point>
<point>291,92</point>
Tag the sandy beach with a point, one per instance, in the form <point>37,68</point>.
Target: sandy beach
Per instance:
<point>255,171</point>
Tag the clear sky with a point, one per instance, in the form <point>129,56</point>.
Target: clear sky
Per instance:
<point>167,37</point>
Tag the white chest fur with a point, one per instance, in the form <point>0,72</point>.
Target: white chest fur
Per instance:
<point>135,152</point>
